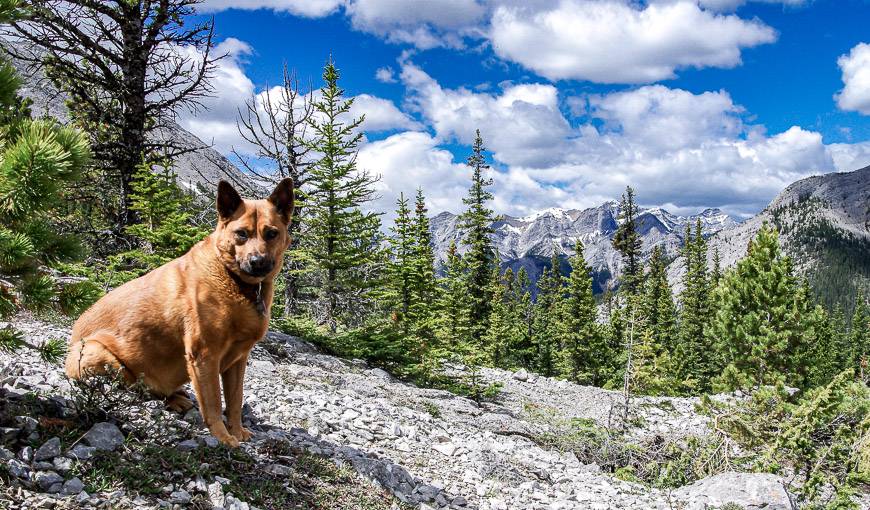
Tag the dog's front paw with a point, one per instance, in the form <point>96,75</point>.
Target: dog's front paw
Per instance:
<point>241,433</point>
<point>229,440</point>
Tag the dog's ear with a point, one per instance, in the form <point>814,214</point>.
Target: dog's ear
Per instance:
<point>228,200</point>
<point>282,198</point>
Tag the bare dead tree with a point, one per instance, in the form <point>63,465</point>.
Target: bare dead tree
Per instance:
<point>275,123</point>
<point>128,67</point>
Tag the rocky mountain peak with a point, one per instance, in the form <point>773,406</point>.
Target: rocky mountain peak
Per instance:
<point>529,241</point>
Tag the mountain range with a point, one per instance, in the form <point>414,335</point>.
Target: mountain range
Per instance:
<point>529,241</point>
<point>824,225</point>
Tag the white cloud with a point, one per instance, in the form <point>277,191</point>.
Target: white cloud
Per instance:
<point>422,23</point>
<point>855,66</point>
<point>306,8</point>
<point>676,147</point>
<point>605,41</point>
<point>850,156</point>
<point>660,117</point>
<point>406,161</point>
<point>521,125</point>
<point>616,42</point>
<point>385,75</point>
<point>380,114</point>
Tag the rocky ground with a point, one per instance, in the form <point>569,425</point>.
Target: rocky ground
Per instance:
<point>333,433</point>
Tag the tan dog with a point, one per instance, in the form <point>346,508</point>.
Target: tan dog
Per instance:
<point>197,317</point>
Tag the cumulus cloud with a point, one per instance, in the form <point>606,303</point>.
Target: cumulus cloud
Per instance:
<point>604,41</point>
<point>305,8</point>
<point>676,147</point>
<point>412,159</point>
<point>422,23</point>
<point>521,125</point>
<point>381,114</point>
<point>618,42</point>
<point>855,67</point>
<point>850,156</point>
<point>215,123</point>
<point>385,75</point>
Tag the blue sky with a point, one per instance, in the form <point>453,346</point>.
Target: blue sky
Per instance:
<point>695,103</point>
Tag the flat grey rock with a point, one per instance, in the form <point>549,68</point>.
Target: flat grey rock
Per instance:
<point>750,491</point>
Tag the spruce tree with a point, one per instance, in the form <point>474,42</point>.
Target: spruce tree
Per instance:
<point>341,240</point>
<point>627,242</point>
<point>547,319</point>
<point>859,339</point>
<point>501,325</point>
<point>453,303</point>
<point>584,352</point>
<point>658,304</point>
<point>756,326</point>
<point>166,229</point>
<point>399,275</point>
<point>716,271</point>
<point>521,352</point>
<point>423,309</point>
<point>476,223</point>
<point>694,356</point>
<point>39,161</point>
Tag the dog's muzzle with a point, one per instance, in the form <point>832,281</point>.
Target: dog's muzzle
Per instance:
<point>257,265</point>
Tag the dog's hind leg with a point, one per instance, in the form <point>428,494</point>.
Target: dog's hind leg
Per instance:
<point>179,401</point>
<point>91,356</point>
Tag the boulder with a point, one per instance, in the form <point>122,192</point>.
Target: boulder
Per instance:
<point>104,436</point>
<point>49,450</point>
<point>748,490</point>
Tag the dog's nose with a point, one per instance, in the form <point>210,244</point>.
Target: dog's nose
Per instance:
<point>260,264</point>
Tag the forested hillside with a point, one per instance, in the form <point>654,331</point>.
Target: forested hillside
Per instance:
<point>773,312</point>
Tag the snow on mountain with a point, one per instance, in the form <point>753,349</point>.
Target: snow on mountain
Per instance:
<point>529,241</point>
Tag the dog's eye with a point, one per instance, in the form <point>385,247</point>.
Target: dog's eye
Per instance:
<point>271,234</point>
<point>241,235</point>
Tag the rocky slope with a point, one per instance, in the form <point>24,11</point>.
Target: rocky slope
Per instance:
<point>529,241</point>
<point>428,448</point>
<point>818,218</point>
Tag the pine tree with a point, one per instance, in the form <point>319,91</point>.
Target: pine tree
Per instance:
<point>584,352</point>
<point>166,229</point>
<point>756,326</point>
<point>399,273</point>
<point>423,309</point>
<point>453,303</point>
<point>127,67</point>
<point>627,242</point>
<point>342,240</point>
<point>694,355</point>
<point>546,319</point>
<point>859,339</point>
<point>476,223</point>
<point>501,328</point>
<point>658,304</point>
<point>39,160</point>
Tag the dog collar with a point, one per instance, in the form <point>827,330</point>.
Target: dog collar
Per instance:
<point>252,292</point>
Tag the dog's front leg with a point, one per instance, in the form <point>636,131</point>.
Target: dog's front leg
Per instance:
<point>204,371</point>
<point>233,379</point>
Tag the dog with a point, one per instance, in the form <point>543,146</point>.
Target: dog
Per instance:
<point>197,317</point>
